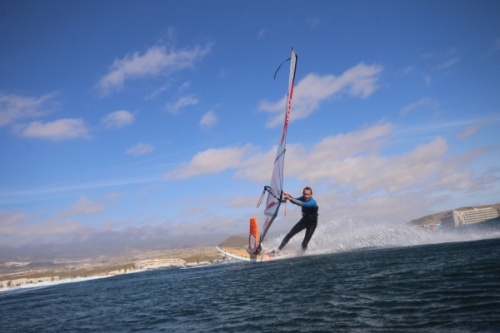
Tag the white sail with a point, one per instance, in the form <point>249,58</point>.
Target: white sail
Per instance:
<point>275,188</point>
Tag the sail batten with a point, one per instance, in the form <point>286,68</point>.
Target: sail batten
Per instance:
<point>275,189</point>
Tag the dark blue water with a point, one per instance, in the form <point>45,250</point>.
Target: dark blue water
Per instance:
<point>452,287</point>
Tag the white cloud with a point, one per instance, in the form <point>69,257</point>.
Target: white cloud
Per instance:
<point>157,91</point>
<point>211,161</point>
<point>471,130</point>
<point>15,107</point>
<point>140,149</point>
<point>356,173</point>
<point>84,207</point>
<point>208,120</point>
<point>118,119</point>
<point>358,81</point>
<point>56,130</point>
<point>185,86</point>
<point>10,222</point>
<point>447,59</point>
<point>361,165</point>
<point>17,228</point>
<point>155,61</point>
<point>420,104</point>
<point>355,161</point>
<point>258,167</point>
<point>449,63</point>
<point>181,103</point>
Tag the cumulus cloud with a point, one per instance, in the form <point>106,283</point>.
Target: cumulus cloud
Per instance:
<point>158,91</point>
<point>211,161</point>
<point>118,119</point>
<point>16,107</point>
<point>364,168</point>
<point>315,163</point>
<point>181,103</point>
<point>355,161</point>
<point>57,130</point>
<point>140,149</point>
<point>157,60</point>
<point>208,120</point>
<point>358,81</point>
<point>84,206</point>
<point>355,172</point>
<point>17,228</point>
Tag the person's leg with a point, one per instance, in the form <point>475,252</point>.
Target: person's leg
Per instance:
<point>309,233</point>
<point>296,229</point>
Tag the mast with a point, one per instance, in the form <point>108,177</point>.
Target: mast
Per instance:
<point>275,188</point>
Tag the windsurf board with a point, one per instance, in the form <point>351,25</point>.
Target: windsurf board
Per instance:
<point>243,254</point>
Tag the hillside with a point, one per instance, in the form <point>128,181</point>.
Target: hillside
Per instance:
<point>437,218</point>
<point>235,241</point>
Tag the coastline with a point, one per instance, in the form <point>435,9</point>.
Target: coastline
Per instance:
<point>32,273</point>
<point>18,275</point>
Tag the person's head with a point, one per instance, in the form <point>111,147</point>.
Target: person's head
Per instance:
<point>307,192</point>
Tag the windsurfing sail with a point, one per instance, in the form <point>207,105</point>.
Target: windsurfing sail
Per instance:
<point>253,234</point>
<point>275,188</point>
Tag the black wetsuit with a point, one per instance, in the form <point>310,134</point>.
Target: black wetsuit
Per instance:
<point>308,221</point>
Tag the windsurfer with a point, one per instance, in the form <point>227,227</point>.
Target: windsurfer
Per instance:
<point>309,218</point>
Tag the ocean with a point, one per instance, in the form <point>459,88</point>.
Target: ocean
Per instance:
<point>367,283</point>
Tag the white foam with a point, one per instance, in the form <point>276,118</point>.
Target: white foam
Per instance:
<point>31,286</point>
<point>342,235</point>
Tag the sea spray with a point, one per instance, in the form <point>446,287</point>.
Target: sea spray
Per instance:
<point>345,234</point>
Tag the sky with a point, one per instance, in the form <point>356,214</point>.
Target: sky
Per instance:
<point>158,121</point>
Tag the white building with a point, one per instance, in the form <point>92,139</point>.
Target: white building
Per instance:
<point>157,263</point>
<point>463,217</point>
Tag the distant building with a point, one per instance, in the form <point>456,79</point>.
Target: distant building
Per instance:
<point>467,216</point>
<point>157,263</point>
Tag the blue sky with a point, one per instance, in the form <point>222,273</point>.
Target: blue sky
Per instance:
<point>161,118</point>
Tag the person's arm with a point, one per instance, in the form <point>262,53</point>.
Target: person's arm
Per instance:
<point>296,201</point>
